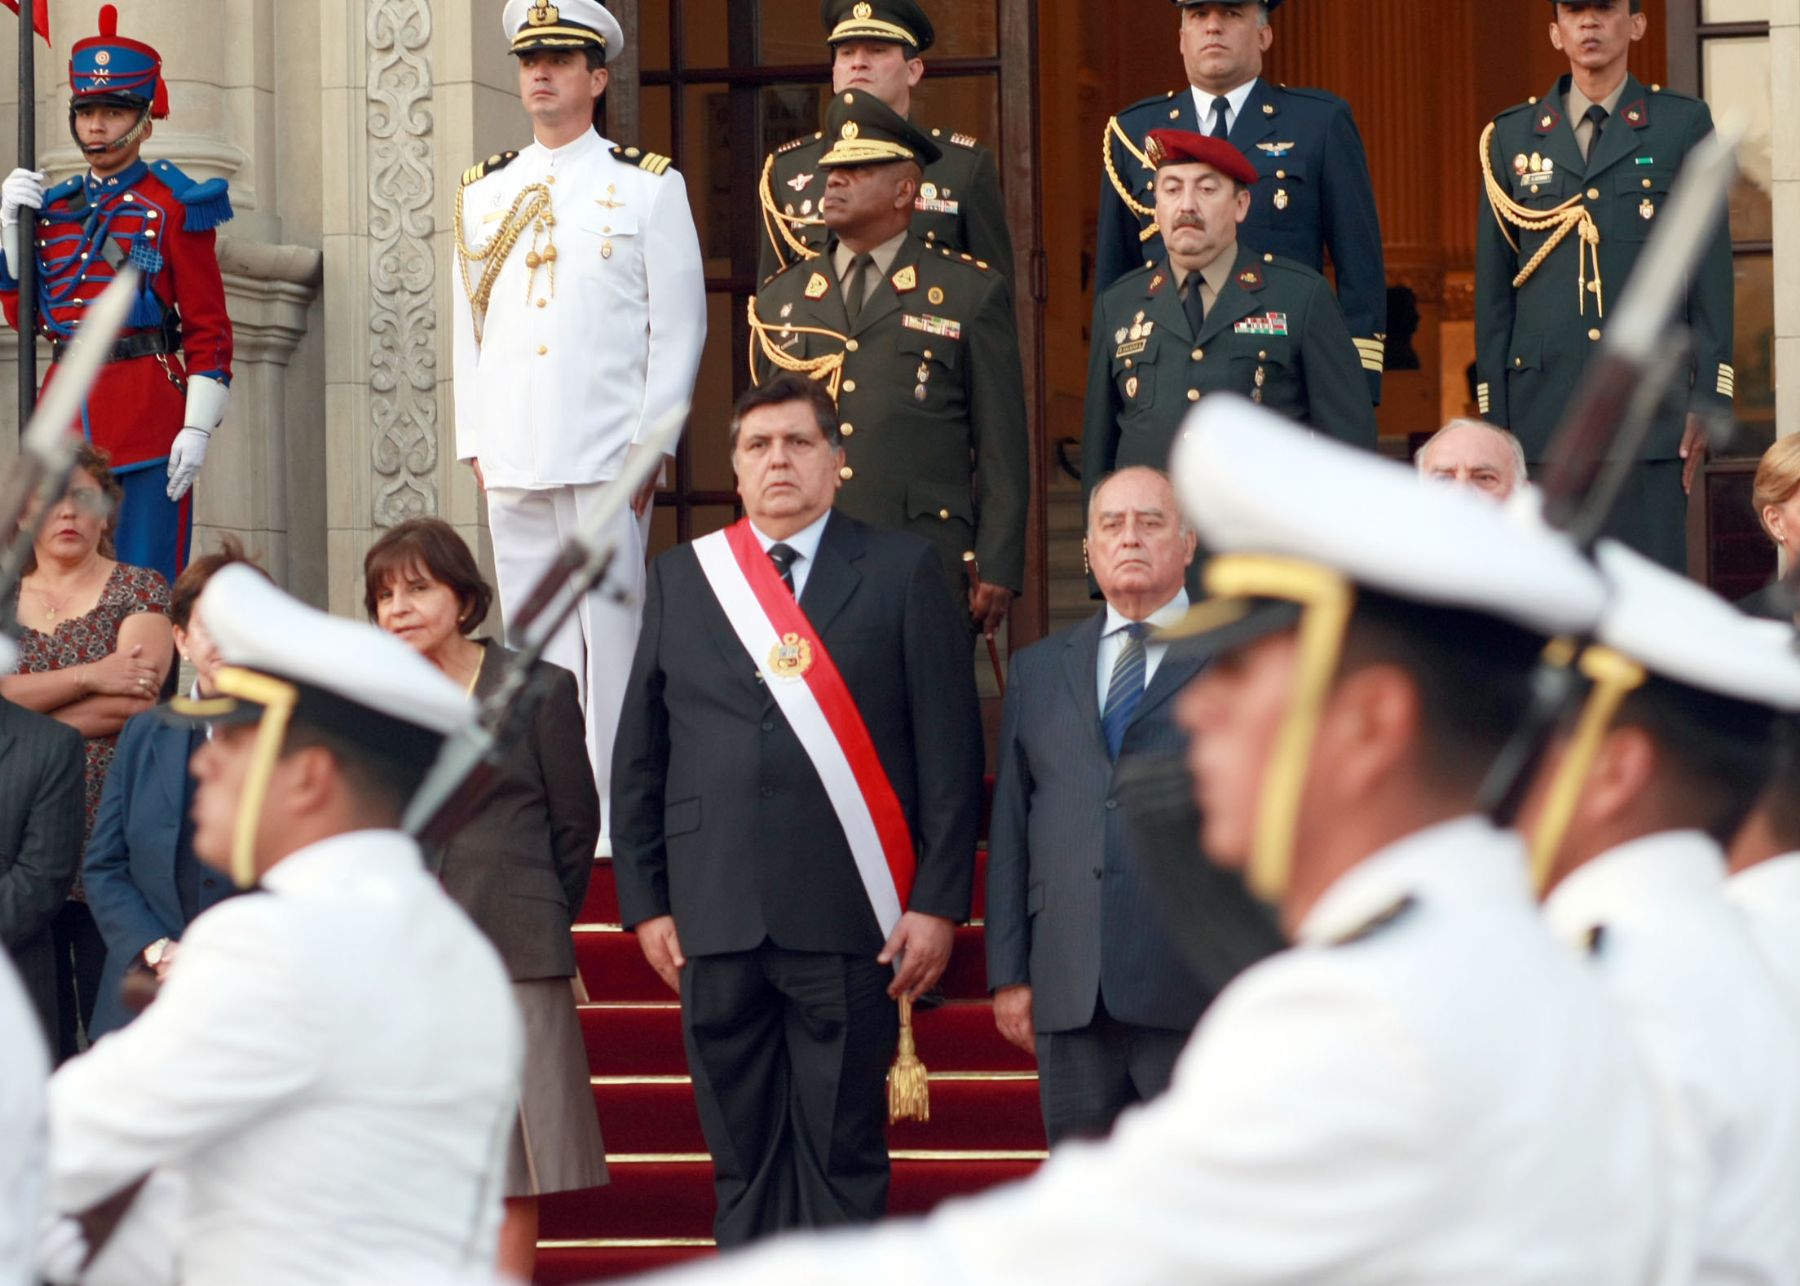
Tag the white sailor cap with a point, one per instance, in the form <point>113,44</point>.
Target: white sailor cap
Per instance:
<point>1683,632</point>
<point>345,675</point>
<point>1252,482</point>
<point>566,24</point>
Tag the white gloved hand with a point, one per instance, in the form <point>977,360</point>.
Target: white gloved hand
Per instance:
<point>21,188</point>
<point>185,458</point>
<point>62,1249</point>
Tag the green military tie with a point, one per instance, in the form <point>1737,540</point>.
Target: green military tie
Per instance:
<point>856,285</point>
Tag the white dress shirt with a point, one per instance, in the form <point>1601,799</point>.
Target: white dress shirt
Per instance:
<point>331,1068</point>
<point>1203,101</point>
<point>804,543</point>
<point>1451,1099</point>
<point>1768,894</point>
<point>24,1067</point>
<point>568,375</point>
<point>1112,641</point>
<point>1719,1040</point>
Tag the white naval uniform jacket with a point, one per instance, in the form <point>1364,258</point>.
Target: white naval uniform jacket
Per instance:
<point>1768,894</point>
<point>24,1066</point>
<point>568,375</point>
<point>1449,1100</point>
<point>1717,1037</point>
<point>331,1068</point>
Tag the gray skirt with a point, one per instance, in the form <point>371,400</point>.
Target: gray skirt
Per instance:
<point>556,1139</point>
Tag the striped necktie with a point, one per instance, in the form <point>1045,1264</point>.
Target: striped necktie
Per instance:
<point>1125,689</point>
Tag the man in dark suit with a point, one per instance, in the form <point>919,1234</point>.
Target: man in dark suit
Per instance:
<point>1312,191</point>
<point>1081,970</point>
<point>742,842</point>
<point>41,821</point>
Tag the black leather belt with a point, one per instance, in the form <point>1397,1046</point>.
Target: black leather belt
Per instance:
<point>149,343</point>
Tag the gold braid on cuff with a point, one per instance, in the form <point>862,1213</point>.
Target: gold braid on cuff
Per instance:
<point>828,370</point>
<point>1559,221</point>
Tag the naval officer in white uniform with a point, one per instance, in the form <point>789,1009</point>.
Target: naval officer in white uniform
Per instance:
<point>1629,825</point>
<point>331,1068</point>
<point>1427,1088</point>
<point>1765,865</point>
<point>24,1066</point>
<point>579,321</point>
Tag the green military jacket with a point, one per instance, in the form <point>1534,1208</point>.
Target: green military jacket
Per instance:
<point>930,392</point>
<point>959,204</point>
<point>1533,339</point>
<point>1275,334</point>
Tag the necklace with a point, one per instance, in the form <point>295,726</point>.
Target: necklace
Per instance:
<point>53,610</point>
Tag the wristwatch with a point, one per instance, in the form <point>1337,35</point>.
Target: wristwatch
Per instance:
<point>154,953</point>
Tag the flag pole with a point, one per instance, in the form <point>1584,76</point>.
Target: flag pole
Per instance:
<point>27,265</point>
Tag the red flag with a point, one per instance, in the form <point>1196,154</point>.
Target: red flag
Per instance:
<point>40,16</point>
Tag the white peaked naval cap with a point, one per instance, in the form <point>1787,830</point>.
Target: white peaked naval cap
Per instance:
<point>330,661</point>
<point>561,24</point>
<point>1251,481</point>
<point>1682,631</point>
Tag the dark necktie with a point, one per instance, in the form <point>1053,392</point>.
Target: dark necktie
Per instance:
<point>1126,688</point>
<point>1597,115</point>
<point>1221,106</point>
<point>856,285</point>
<point>1194,305</point>
<point>784,557</point>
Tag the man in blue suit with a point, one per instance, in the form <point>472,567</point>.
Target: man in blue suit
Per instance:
<point>1081,970</point>
<point>1313,193</point>
<point>144,884</point>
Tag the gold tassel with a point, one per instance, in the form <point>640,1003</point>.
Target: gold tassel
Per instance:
<point>909,1089</point>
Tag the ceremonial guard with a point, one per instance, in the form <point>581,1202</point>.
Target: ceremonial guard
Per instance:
<point>1427,1087</point>
<point>163,394</point>
<point>920,346</point>
<point>876,47</point>
<point>1311,193</point>
<point>1668,757</point>
<point>1574,181</point>
<point>1210,315</point>
<point>330,1070</point>
<point>579,323</point>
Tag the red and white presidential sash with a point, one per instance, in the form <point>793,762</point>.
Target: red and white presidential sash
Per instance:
<point>807,686</point>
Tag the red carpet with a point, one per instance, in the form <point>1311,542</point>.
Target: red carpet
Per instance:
<point>984,1127</point>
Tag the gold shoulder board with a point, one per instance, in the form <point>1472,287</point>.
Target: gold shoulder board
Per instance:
<point>649,162</point>
<point>480,171</point>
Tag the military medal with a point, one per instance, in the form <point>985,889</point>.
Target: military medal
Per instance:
<point>1120,335</point>
<point>935,294</point>
<point>1261,376</point>
<point>928,192</point>
<point>1281,198</point>
<point>1131,386</point>
<point>1646,210</point>
<point>920,392</point>
<point>606,249</point>
<point>817,286</point>
<point>790,659</point>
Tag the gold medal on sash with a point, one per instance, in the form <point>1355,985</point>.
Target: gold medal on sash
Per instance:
<point>791,658</point>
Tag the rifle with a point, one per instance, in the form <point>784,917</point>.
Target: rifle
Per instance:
<point>469,765</point>
<point>47,447</point>
<point>1643,352</point>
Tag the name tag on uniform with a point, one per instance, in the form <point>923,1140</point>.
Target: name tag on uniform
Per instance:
<point>1267,324</point>
<point>1131,348</point>
<point>941,326</point>
<point>493,215</point>
<point>939,206</point>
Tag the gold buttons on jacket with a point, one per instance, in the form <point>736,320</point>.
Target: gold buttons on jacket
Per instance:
<point>1594,333</point>
<point>849,386</point>
<point>847,429</point>
<point>1193,395</point>
<point>542,349</point>
<point>850,346</point>
<point>1199,353</point>
<point>1593,194</point>
<point>846,473</point>
<point>943,515</point>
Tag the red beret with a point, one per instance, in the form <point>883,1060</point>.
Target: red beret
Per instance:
<point>1179,147</point>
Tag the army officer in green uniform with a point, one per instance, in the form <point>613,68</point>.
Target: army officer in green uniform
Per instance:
<point>919,345</point>
<point>1213,315</point>
<point>876,47</point>
<point>1575,182</point>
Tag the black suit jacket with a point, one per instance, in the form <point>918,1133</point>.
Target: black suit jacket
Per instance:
<point>1069,911</point>
<point>520,866</point>
<point>718,815</point>
<point>41,822</point>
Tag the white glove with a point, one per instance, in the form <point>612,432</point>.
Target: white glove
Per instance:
<point>206,399</point>
<point>62,1249</point>
<point>185,458</point>
<point>22,187</point>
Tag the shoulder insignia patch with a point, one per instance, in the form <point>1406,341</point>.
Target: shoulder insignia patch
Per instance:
<point>1250,278</point>
<point>1380,921</point>
<point>499,161</point>
<point>906,279</point>
<point>649,162</point>
<point>817,285</point>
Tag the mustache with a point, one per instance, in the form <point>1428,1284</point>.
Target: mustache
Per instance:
<point>1189,221</point>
